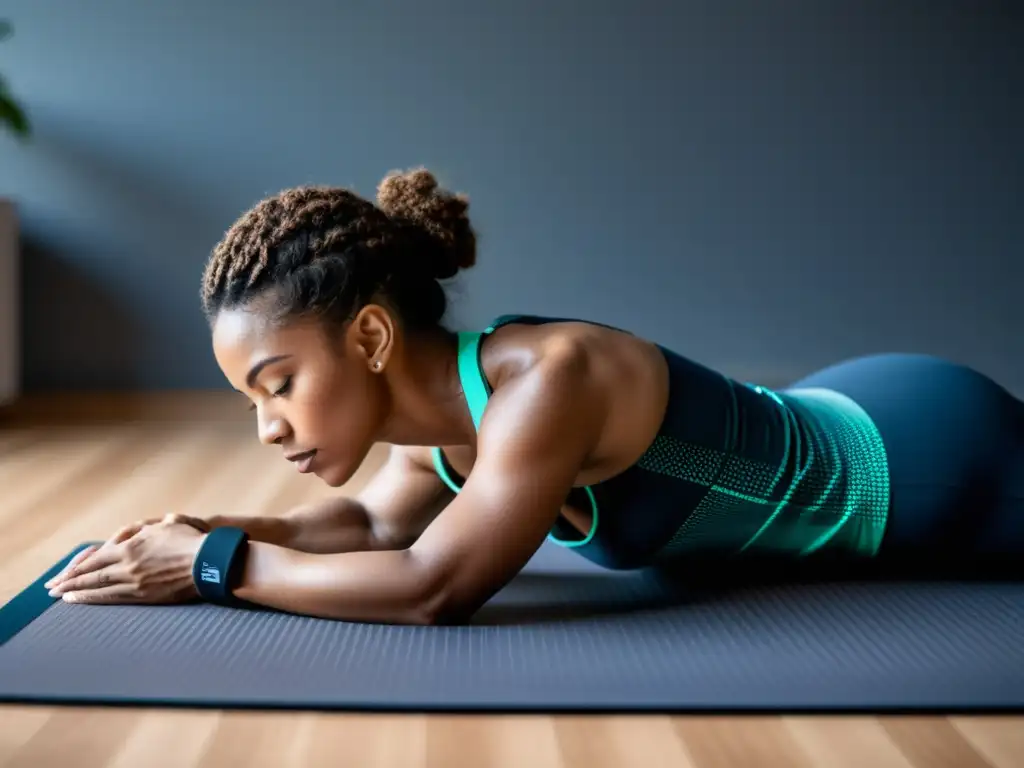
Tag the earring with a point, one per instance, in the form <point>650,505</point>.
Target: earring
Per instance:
<point>376,366</point>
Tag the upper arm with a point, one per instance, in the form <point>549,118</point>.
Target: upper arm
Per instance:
<point>403,496</point>
<point>534,437</point>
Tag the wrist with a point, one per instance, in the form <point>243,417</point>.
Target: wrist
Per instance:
<point>218,563</point>
<point>194,550</point>
<point>214,521</point>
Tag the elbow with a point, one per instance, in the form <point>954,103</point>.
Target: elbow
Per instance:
<point>440,613</point>
<point>438,602</point>
<point>424,609</point>
<point>436,607</point>
<point>426,616</point>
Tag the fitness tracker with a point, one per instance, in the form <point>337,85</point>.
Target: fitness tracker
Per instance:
<point>218,564</point>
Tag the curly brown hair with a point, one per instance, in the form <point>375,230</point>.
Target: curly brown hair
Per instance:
<point>326,252</point>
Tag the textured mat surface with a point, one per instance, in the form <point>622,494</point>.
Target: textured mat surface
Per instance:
<point>563,636</point>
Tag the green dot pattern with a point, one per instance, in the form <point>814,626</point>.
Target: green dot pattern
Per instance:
<point>829,490</point>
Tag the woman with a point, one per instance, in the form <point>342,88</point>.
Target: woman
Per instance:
<point>325,313</point>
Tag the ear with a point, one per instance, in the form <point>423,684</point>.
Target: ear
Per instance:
<point>371,336</point>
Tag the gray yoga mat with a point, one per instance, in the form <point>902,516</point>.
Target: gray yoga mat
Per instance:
<point>564,636</point>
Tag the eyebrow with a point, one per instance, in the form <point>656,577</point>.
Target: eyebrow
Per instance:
<point>250,377</point>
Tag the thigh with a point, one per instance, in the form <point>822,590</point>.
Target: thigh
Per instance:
<point>948,431</point>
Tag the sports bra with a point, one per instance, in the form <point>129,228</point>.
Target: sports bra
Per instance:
<point>734,468</point>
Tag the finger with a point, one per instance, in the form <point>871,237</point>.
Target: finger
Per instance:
<point>71,564</point>
<point>122,535</point>
<point>78,563</point>
<point>75,561</point>
<point>112,575</point>
<point>126,533</point>
<point>113,593</point>
<point>100,560</point>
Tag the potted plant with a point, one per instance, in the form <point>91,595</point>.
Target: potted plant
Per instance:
<point>14,120</point>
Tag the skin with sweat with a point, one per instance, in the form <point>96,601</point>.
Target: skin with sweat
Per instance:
<point>573,404</point>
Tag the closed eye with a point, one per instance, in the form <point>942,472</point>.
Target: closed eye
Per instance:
<point>283,390</point>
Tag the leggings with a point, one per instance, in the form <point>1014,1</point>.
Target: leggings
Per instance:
<point>955,445</point>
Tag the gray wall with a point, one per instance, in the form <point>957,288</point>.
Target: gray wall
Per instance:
<point>768,187</point>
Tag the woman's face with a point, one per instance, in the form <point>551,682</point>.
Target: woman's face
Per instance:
<point>315,391</point>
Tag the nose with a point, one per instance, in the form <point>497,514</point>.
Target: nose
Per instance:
<point>272,428</point>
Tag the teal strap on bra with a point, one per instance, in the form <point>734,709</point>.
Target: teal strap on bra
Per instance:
<point>476,392</point>
<point>474,388</point>
<point>442,470</point>
<point>473,385</point>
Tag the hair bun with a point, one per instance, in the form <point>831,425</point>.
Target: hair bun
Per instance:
<point>414,197</point>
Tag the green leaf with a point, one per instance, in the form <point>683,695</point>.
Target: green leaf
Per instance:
<point>13,117</point>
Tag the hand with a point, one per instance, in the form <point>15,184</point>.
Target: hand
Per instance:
<point>152,565</point>
<point>123,534</point>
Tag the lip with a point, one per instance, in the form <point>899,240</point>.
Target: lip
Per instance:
<point>303,461</point>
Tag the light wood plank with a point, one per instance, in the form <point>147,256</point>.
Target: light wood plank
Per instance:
<point>1000,740</point>
<point>847,742</point>
<point>344,741</point>
<point>933,741</point>
<point>741,741</point>
<point>610,741</point>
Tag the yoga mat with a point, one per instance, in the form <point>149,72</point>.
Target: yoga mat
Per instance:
<point>563,636</point>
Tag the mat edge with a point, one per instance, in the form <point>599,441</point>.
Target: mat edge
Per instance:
<point>33,601</point>
<point>496,708</point>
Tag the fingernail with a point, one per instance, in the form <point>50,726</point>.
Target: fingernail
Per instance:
<point>54,592</point>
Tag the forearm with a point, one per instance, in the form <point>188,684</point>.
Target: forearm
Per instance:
<point>271,529</point>
<point>388,586</point>
<point>333,525</point>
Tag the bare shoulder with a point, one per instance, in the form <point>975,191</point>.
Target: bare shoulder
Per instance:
<point>562,348</point>
<point>543,367</point>
<point>612,380</point>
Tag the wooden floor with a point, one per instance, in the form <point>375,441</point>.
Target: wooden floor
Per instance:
<point>77,468</point>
